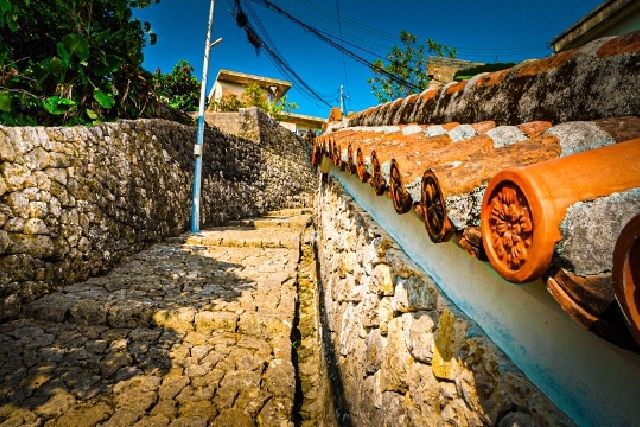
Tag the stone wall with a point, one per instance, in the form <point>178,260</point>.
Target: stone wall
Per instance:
<point>405,354</point>
<point>240,123</point>
<point>598,80</point>
<point>74,201</point>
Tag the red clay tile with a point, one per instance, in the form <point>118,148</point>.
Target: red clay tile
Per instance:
<point>626,274</point>
<point>524,206</point>
<point>450,125</point>
<point>624,44</point>
<point>540,66</point>
<point>535,128</point>
<point>483,127</point>
<point>621,128</point>
<point>456,87</point>
<point>493,78</point>
<point>429,94</point>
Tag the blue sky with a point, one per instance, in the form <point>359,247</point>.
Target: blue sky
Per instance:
<point>502,30</point>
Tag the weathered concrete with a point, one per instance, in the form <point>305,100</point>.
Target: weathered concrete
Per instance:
<point>199,330</point>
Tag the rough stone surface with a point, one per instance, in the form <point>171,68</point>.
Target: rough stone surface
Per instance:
<point>597,80</point>
<point>598,222</point>
<point>155,342</point>
<point>75,201</point>
<point>575,137</point>
<point>503,136</point>
<point>404,354</point>
<point>435,130</point>
<point>462,132</point>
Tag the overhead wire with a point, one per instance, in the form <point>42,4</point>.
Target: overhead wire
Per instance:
<point>394,78</point>
<point>261,39</point>
<point>369,39</point>
<point>277,59</point>
<point>344,61</point>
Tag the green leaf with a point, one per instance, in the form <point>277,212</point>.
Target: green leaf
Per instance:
<point>5,6</point>
<point>114,62</point>
<point>57,106</point>
<point>105,100</point>
<point>56,66</point>
<point>5,101</point>
<point>77,45</point>
<point>92,114</point>
<point>64,54</point>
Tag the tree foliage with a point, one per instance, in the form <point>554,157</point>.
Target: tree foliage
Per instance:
<point>254,96</point>
<point>179,89</point>
<point>408,63</point>
<point>73,61</point>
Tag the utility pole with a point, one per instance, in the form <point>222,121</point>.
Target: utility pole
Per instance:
<point>197,172</point>
<point>342,99</point>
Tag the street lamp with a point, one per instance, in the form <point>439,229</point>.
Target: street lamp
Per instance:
<point>197,171</point>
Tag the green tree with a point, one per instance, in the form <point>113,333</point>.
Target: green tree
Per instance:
<point>179,89</point>
<point>255,96</point>
<point>73,61</point>
<point>408,66</point>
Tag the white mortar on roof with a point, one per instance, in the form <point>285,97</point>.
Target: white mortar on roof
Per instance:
<point>594,382</point>
<point>411,129</point>
<point>435,130</point>
<point>503,136</point>
<point>575,137</point>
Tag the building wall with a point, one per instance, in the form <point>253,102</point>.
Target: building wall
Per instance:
<point>224,89</point>
<point>612,18</point>
<point>74,201</point>
<point>406,355</point>
<point>443,69</point>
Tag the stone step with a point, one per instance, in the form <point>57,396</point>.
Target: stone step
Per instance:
<point>201,323</point>
<point>298,222</point>
<point>289,212</point>
<point>265,238</point>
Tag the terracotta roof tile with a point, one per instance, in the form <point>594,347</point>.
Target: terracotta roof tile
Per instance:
<point>557,89</point>
<point>446,172</point>
<point>533,68</point>
<point>628,43</point>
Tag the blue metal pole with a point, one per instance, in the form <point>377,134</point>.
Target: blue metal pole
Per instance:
<point>197,171</point>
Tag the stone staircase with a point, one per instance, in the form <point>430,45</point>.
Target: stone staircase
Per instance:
<point>193,331</point>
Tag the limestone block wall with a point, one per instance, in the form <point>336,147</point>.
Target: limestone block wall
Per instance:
<point>243,123</point>
<point>74,201</point>
<point>405,354</point>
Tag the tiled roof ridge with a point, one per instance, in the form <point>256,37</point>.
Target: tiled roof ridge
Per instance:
<point>442,172</point>
<point>544,89</point>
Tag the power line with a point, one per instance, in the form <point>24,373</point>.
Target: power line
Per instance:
<point>396,79</point>
<point>332,22</point>
<point>272,52</point>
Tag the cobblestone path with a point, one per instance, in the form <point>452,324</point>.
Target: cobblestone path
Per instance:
<point>194,331</point>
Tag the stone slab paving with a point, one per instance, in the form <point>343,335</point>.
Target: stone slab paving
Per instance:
<point>194,331</point>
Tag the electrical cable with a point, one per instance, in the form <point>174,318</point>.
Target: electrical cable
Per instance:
<point>396,79</point>
<point>257,41</point>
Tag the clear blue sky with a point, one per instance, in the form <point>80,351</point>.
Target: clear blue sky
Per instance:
<point>502,30</point>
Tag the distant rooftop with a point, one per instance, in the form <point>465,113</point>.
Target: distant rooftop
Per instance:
<point>245,79</point>
<point>611,18</point>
